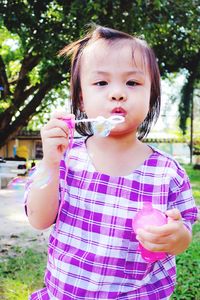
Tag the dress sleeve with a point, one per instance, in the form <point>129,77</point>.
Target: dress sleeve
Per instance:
<point>181,198</point>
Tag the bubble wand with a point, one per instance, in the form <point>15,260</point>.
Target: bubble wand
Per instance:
<point>101,126</point>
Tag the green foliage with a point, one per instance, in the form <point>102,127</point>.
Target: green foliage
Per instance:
<point>10,45</point>
<point>56,99</point>
<point>39,29</point>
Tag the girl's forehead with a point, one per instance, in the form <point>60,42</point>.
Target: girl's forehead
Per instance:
<point>101,52</point>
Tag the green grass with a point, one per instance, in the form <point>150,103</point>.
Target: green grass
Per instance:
<point>188,263</point>
<point>188,270</point>
<point>22,273</point>
<point>194,176</point>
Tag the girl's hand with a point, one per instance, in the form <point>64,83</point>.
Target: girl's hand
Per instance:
<point>172,238</point>
<point>55,139</point>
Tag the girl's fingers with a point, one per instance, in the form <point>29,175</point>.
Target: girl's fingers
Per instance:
<point>173,215</point>
<point>55,123</point>
<point>54,133</point>
<point>153,242</point>
<point>61,114</point>
<point>155,247</point>
<point>144,235</point>
<point>56,141</point>
<point>163,230</point>
<point>58,115</point>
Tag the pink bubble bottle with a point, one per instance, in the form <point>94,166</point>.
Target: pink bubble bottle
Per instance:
<point>145,217</point>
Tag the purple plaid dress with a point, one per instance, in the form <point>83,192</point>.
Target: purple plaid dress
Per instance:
<point>94,254</point>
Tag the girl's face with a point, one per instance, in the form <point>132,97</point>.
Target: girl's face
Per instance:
<point>115,82</point>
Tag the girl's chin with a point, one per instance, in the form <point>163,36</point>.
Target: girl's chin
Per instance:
<point>122,133</point>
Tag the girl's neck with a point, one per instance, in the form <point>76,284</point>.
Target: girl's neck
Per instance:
<point>117,156</point>
<point>119,143</point>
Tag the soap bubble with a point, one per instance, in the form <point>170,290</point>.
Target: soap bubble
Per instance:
<point>17,185</point>
<point>102,128</point>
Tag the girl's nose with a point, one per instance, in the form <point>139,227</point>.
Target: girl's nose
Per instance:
<point>118,96</point>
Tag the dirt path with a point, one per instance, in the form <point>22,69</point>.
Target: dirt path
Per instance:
<point>15,229</point>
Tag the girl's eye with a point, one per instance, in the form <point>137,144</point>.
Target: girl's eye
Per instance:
<point>132,83</point>
<point>101,83</point>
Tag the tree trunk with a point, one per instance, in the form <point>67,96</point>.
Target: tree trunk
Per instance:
<point>8,128</point>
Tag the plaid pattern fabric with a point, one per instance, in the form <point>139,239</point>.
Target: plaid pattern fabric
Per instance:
<point>94,254</point>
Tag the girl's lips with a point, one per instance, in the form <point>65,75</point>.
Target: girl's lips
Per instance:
<point>119,111</point>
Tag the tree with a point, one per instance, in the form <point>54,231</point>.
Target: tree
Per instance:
<point>32,72</point>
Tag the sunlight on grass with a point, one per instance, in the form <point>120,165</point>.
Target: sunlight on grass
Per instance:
<point>196,195</point>
<point>14,290</point>
<point>22,274</point>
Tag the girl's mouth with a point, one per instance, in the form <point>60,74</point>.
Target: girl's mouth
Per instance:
<point>119,111</point>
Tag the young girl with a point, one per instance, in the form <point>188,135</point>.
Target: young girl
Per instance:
<point>93,251</point>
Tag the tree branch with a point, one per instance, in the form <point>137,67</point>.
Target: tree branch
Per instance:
<point>4,79</point>
<point>10,130</point>
<point>50,79</point>
<point>28,63</point>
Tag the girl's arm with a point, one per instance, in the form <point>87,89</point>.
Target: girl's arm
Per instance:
<point>42,202</point>
<point>42,199</point>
